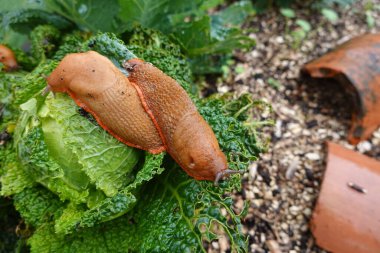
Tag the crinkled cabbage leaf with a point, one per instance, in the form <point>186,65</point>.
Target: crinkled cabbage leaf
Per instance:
<point>81,190</point>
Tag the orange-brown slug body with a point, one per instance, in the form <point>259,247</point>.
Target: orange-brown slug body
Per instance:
<point>99,87</point>
<point>7,58</point>
<point>185,134</point>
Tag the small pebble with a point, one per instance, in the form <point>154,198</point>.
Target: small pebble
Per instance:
<point>364,146</point>
<point>313,156</point>
<point>291,169</point>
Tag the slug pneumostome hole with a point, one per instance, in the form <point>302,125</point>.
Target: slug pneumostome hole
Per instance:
<point>191,162</point>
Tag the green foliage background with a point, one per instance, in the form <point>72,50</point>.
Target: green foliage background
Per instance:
<point>200,34</point>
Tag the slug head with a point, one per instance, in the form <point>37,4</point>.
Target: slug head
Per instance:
<point>209,164</point>
<point>206,164</point>
<point>7,58</point>
<point>83,74</point>
<point>195,148</point>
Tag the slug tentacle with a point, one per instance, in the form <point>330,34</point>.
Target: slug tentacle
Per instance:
<point>128,66</point>
<point>224,173</point>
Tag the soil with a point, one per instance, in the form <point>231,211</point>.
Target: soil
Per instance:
<point>282,187</point>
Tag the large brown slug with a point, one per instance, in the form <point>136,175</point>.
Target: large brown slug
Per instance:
<point>7,58</point>
<point>186,135</point>
<point>99,87</point>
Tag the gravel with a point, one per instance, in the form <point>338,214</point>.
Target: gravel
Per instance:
<point>283,185</point>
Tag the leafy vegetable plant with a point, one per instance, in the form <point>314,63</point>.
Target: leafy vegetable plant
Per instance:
<point>78,189</point>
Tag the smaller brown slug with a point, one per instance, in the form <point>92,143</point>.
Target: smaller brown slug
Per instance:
<point>101,89</point>
<point>185,134</point>
<point>8,58</point>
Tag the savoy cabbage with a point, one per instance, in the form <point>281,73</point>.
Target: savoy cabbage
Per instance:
<point>78,189</point>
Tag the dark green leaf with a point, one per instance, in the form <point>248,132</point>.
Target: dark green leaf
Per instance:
<point>330,15</point>
<point>162,15</point>
<point>289,13</point>
<point>235,14</point>
<point>24,15</point>
<point>89,15</point>
<point>305,25</point>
